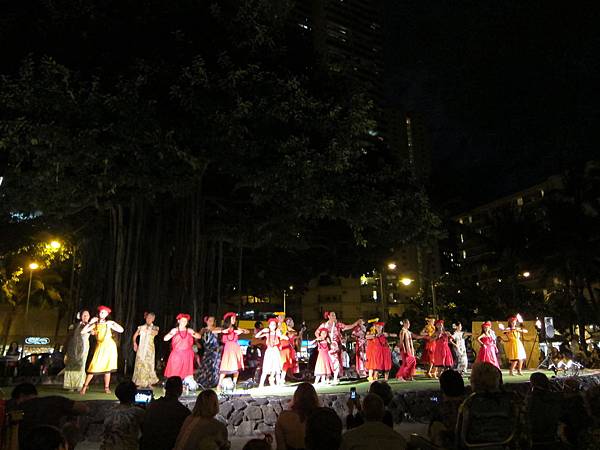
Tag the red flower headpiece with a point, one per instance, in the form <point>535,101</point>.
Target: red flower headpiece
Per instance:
<point>272,319</point>
<point>205,319</point>
<point>380,324</point>
<point>104,308</point>
<point>183,316</point>
<point>512,319</point>
<point>326,314</point>
<point>487,324</point>
<point>229,314</point>
<point>439,322</point>
<point>323,329</point>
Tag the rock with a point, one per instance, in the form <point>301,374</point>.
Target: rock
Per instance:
<point>239,404</point>
<point>221,419</point>
<point>253,413</point>
<point>340,408</point>
<point>245,429</point>
<point>264,428</point>
<point>230,430</point>
<point>261,401</point>
<point>269,414</point>
<point>277,408</point>
<point>236,418</point>
<point>225,409</point>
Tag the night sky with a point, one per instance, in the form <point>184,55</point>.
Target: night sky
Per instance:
<point>509,90</point>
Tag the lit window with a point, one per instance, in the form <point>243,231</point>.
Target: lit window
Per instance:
<point>470,219</point>
<point>542,193</point>
<point>520,201</point>
<point>462,238</point>
<point>301,25</point>
<point>460,220</point>
<point>464,253</point>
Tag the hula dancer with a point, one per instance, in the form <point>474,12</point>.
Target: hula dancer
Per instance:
<point>462,362</point>
<point>407,352</point>
<point>232,361</point>
<point>208,376</point>
<point>429,348</point>
<point>324,367</point>
<point>143,372</point>
<point>272,359</point>
<point>287,348</point>
<point>78,348</point>
<point>106,357</point>
<point>515,350</point>
<point>181,358</point>
<point>442,356</point>
<point>359,333</point>
<point>487,339</point>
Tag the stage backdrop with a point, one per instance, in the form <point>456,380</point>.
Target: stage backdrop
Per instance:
<point>530,340</point>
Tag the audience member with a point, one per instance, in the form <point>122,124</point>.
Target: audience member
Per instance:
<point>485,377</point>
<point>53,410</point>
<point>259,444</point>
<point>373,431</point>
<point>384,391</point>
<point>574,416</point>
<point>45,437</point>
<point>543,410</point>
<point>323,430</point>
<point>291,424</point>
<point>590,437</point>
<point>164,418</point>
<point>201,430</point>
<point>123,422</point>
<point>443,418</point>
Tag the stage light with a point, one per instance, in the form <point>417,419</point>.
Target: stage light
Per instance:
<point>55,245</point>
<point>33,266</point>
<point>406,281</point>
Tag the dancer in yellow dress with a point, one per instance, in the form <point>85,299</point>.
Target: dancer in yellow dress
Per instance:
<point>105,357</point>
<point>514,348</point>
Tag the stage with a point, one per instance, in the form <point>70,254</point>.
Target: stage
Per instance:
<point>421,383</point>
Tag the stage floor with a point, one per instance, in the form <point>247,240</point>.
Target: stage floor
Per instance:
<point>421,383</point>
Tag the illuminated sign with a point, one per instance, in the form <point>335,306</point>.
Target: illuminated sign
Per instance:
<point>35,340</point>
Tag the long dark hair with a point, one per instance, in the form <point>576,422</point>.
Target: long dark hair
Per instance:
<point>227,323</point>
<point>305,400</point>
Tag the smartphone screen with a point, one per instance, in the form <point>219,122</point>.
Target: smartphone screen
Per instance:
<point>352,393</point>
<point>143,396</point>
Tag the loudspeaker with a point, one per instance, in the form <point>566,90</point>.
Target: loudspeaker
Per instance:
<point>549,327</point>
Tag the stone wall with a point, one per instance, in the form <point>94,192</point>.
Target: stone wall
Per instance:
<point>248,416</point>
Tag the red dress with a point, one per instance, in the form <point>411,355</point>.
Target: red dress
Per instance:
<point>442,356</point>
<point>181,358</point>
<point>232,360</point>
<point>428,351</point>
<point>272,357</point>
<point>386,353</point>
<point>323,365</point>
<point>374,355</point>
<point>289,360</point>
<point>487,352</point>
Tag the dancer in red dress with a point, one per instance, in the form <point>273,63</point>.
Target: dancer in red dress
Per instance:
<point>488,351</point>
<point>379,355</point>
<point>272,358</point>
<point>287,347</point>
<point>427,355</point>
<point>407,352</point>
<point>232,360</point>
<point>359,334</point>
<point>181,358</point>
<point>442,355</point>
<point>324,367</point>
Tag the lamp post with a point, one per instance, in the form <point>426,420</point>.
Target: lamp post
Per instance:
<point>33,266</point>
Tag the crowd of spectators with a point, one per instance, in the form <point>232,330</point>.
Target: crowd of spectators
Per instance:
<point>490,414</point>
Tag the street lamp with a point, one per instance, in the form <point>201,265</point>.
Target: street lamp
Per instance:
<point>33,266</point>
<point>526,274</point>
<point>392,266</point>
<point>406,281</point>
<point>55,245</point>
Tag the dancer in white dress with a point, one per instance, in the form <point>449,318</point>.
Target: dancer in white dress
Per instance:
<point>462,362</point>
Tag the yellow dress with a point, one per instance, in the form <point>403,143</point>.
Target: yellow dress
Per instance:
<point>514,347</point>
<point>105,355</point>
